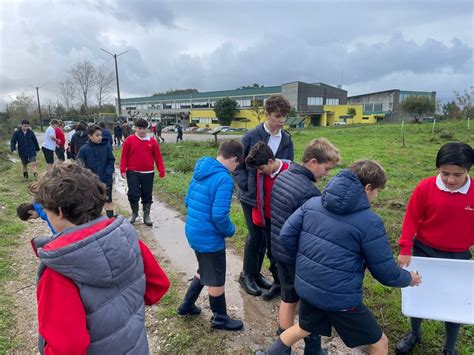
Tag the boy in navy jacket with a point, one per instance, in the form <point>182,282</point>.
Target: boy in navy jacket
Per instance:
<point>97,156</point>
<point>208,223</point>
<point>25,139</point>
<point>333,238</point>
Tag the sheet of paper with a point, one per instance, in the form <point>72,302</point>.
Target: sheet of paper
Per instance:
<point>446,292</point>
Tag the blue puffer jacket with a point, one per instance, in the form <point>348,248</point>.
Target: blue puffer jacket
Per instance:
<point>99,159</point>
<point>27,143</point>
<point>208,202</point>
<point>291,189</point>
<point>334,238</point>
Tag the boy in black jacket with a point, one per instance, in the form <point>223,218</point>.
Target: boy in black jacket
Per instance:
<point>27,147</point>
<point>292,188</point>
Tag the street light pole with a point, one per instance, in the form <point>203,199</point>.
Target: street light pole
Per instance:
<point>117,78</point>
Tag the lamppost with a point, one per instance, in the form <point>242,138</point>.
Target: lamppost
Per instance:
<point>117,78</point>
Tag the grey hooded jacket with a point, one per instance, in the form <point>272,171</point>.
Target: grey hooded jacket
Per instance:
<point>106,265</point>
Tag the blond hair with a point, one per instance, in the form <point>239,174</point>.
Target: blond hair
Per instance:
<point>322,150</point>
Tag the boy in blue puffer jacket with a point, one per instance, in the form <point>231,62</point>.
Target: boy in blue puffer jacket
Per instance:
<point>208,223</point>
<point>97,156</point>
<point>333,238</point>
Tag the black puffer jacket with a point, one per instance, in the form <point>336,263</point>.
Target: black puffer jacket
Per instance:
<point>292,188</point>
<point>247,178</point>
<point>77,141</point>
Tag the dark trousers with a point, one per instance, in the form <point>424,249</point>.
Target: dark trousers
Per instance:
<point>117,140</point>
<point>60,153</point>
<point>258,241</point>
<point>140,185</point>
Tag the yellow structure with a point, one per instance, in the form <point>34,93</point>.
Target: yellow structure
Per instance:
<point>247,118</point>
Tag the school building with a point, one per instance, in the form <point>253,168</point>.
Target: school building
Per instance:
<point>315,104</point>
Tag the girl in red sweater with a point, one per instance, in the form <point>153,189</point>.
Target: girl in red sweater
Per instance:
<point>439,223</point>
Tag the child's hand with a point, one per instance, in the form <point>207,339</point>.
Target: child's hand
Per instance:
<point>404,260</point>
<point>124,176</point>
<point>415,278</point>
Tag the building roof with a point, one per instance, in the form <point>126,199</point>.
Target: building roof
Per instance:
<point>392,90</point>
<point>267,90</point>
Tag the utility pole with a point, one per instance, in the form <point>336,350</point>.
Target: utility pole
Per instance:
<point>39,107</point>
<point>117,78</point>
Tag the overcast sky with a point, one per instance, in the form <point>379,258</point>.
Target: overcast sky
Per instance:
<point>215,45</point>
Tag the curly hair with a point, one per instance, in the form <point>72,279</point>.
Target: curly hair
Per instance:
<point>277,104</point>
<point>72,188</point>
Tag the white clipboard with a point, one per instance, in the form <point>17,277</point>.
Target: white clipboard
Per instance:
<point>446,292</point>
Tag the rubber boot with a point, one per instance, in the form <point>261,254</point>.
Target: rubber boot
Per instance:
<point>188,307</point>
<point>312,345</point>
<point>134,207</point>
<point>25,175</point>
<point>146,214</point>
<point>220,319</point>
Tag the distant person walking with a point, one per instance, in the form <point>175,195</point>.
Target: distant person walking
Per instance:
<point>117,135</point>
<point>49,145</point>
<point>180,133</point>
<point>159,130</point>
<point>69,138</point>
<point>125,130</point>
<point>25,141</point>
<point>61,141</point>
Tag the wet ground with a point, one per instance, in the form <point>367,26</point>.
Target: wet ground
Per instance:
<point>260,317</point>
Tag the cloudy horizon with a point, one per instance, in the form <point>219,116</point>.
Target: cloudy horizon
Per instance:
<point>366,46</point>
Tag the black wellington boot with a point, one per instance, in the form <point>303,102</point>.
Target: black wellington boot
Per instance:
<point>220,319</point>
<point>146,214</point>
<point>134,207</point>
<point>188,306</point>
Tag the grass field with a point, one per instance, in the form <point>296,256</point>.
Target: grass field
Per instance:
<point>405,165</point>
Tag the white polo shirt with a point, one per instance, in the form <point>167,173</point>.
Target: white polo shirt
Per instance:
<point>275,140</point>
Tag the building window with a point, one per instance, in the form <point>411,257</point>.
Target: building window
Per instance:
<point>378,107</point>
<point>332,101</point>
<point>244,102</point>
<point>312,101</point>
<point>365,117</point>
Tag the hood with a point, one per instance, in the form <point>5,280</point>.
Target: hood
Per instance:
<point>207,166</point>
<point>81,133</point>
<point>300,169</point>
<point>345,194</point>
<point>101,253</point>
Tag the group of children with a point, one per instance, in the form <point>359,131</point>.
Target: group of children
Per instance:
<point>95,276</point>
<point>320,244</point>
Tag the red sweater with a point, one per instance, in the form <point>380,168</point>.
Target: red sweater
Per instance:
<point>268,182</point>
<point>61,139</point>
<point>139,155</point>
<point>439,219</point>
<point>69,335</point>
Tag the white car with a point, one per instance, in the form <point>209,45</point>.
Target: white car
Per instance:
<point>339,123</point>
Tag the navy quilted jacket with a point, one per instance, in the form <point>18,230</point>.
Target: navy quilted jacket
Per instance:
<point>208,202</point>
<point>99,159</point>
<point>27,143</point>
<point>291,189</point>
<point>334,238</point>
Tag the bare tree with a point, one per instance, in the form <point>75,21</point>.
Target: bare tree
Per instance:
<point>68,92</point>
<point>83,76</point>
<point>22,107</point>
<point>103,84</point>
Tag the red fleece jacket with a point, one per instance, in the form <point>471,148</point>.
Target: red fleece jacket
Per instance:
<point>61,139</point>
<point>139,155</point>
<point>439,219</point>
<point>59,296</point>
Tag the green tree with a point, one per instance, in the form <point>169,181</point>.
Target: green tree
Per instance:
<point>254,85</point>
<point>351,111</point>
<point>22,107</point>
<point>464,103</point>
<point>451,110</point>
<point>177,92</point>
<point>418,106</point>
<point>225,110</point>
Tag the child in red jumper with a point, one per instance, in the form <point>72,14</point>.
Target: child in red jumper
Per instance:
<point>60,141</point>
<point>95,276</point>
<point>261,157</point>
<point>140,152</point>
<point>439,223</point>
